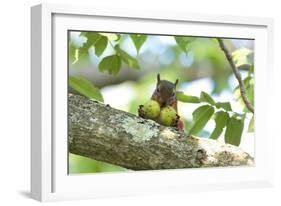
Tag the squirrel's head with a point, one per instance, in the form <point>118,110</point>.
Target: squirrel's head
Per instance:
<point>165,91</point>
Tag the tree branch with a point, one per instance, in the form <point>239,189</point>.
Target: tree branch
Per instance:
<point>103,133</point>
<point>237,75</point>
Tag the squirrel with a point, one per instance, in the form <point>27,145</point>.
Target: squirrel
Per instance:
<point>165,95</point>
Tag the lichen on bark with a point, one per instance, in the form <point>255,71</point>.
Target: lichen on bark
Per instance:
<point>103,133</point>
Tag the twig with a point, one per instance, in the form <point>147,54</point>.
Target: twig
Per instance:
<point>237,75</point>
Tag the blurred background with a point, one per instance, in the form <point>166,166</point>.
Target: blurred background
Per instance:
<point>201,67</point>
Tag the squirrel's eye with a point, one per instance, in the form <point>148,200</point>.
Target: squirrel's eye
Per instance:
<point>158,90</point>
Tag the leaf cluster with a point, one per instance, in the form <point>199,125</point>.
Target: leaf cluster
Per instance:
<point>221,112</point>
<point>100,41</point>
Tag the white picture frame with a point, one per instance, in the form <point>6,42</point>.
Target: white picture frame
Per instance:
<point>49,178</point>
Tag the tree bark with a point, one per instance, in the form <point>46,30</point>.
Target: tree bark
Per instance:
<point>103,133</point>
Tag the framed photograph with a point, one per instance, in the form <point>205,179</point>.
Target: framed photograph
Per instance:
<point>138,102</point>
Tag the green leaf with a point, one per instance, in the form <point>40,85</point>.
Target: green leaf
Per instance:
<point>251,127</point>
<point>128,59</point>
<point>224,105</point>
<point>242,52</point>
<point>83,33</point>
<point>183,42</point>
<point>111,36</point>
<point>248,80</point>
<point>241,58</point>
<point>237,93</point>
<point>200,118</point>
<point>92,37</point>
<point>221,119</point>
<point>250,90</point>
<point>249,86</point>
<point>138,40</point>
<point>85,87</point>
<point>118,37</point>
<point>204,97</point>
<point>234,130</point>
<point>100,45</point>
<point>111,64</point>
<point>187,98</point>
<point>251,70</point>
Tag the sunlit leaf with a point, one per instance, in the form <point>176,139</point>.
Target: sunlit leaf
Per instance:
<point>241,52</point>
<point>76,56</point>
<point>100,45</point>
<point>118,37</point>
<point>251,127</point>
<point>85,87</point>
<point>249,86</point>
<point>138,40</point>
<point>111,64</point>
<point>83,33</point>
<point>251,70</point>
<point>92,37</point>
<point>241,58</point>
<point>128,59</point>
<point>183,42</point>
<point>224,105</point>
<point>204,97</point>
<point>200,118</point>
<point>187,98</point>
<point>111,36</point>
<point>237,93</point>
<point>234,130</point>
<point>221,119</point>
<point>250,90</point>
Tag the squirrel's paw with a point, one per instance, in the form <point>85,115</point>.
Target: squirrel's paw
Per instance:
<point>141,111</point>
<point>175,121</point>
<point>178,123</point>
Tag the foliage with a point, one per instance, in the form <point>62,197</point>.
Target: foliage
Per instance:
<point>221,118</point>
<point>251,124</point>
<point>85,87</point>
<point>184,42</point>
<point>241,58</point>
<point>113,57</point>
<point>234,129</point>
<point>224,118</point>
<point>204,97</point>
<point>249,86</point>
<point>200,118</point>
<point>111,63</point>
<point>187,98</point>
<point>131,61</point>
<point>138,40</point>
<point>100,41</point>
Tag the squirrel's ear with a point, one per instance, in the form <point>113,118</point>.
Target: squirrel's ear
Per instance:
<point>177,81</point>
<point>158,78</point>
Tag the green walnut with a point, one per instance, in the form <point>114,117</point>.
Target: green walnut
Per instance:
<point>167,115</point>
<point>151,109</point>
